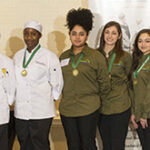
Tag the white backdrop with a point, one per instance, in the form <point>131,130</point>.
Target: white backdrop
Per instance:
<point>133,15</point>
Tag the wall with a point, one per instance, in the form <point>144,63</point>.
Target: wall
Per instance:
<point>50,13</point>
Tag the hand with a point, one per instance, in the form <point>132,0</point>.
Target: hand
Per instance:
<point>143,123</point>
<point>134,122</point>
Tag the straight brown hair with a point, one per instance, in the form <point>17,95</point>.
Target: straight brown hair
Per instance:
<point>118,46</point>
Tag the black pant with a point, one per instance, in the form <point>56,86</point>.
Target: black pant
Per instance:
<point>144,135</point>
<point>4,137</point>
<point>113,130</point>
<point>11,131</point>
<point>81,131</point>
<point>33,134</point>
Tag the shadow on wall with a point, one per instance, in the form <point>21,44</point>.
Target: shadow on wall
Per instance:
<point>56,42</point>
<point>14,43</point>
<point>57,38</point>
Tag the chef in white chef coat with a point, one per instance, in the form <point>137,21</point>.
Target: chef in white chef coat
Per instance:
<point>39,82</point>
<point>7,90</point>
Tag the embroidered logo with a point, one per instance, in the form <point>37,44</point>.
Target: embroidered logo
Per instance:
<point>85,61</point>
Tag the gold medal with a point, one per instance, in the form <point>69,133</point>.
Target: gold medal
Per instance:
<point>109,75</point>
<point>135,82</point>
<point>24,72</point>
<point>75,72</point>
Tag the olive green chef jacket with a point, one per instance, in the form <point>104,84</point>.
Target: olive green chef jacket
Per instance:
<point>81,93</point>
<point>141,96</point>
<point>118,100</point>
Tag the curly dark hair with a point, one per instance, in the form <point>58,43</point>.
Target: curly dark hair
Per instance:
<point>82,17</point>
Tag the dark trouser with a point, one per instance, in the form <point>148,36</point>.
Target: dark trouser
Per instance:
<point>11,131</point>
<point>144,135</point>
<point>81,131</point>
<point>4,137</point>
<point>113,130</point>
<point>33,134</point>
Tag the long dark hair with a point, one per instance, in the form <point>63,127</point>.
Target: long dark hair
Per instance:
<point>118,46</point>
<point>136,54</point>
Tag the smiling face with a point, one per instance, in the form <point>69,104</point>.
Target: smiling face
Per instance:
<point>111,35</point>
<point>78,36</point>
<point>144,43</point>
<point>31,38</point>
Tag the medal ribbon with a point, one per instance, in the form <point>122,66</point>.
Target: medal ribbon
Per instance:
<point>25,64</point>
<point>78,61</point>
<point>137,71</point>
<point>111,62</point>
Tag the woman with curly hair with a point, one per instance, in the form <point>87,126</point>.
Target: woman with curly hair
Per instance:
<point>140,75</point>
<point>115,110</point>
<point>85,76</point>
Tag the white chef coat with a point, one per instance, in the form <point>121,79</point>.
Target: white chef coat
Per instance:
<point>37,90</point>
<point>7,87</point>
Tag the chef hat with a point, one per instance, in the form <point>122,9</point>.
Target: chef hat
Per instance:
<point>35,25</point>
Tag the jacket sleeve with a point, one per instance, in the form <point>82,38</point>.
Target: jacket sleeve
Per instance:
<point>11,82</point>
<point>103,77</point>
<point>146,103</point>
<point>131,94</point>
<point>128,63</point>
<point>56,78</point>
